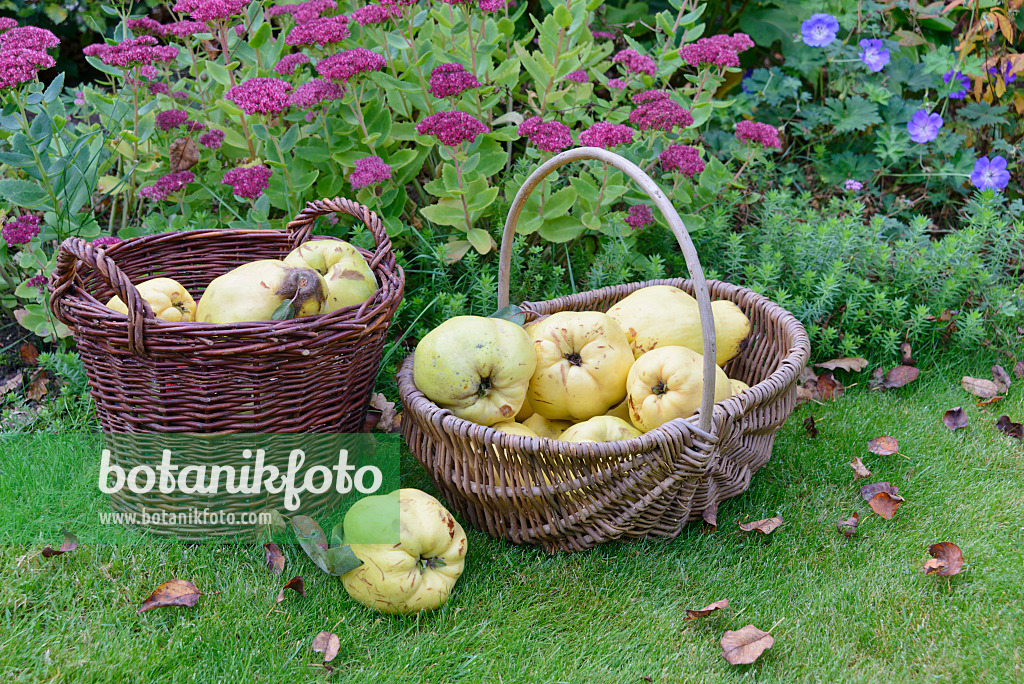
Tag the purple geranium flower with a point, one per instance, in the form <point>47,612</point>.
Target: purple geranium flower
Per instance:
<point>990,174</point>
<point>873,54</point>
<point>964,81</point>
<point>924,127</point>
<point>819,30</point>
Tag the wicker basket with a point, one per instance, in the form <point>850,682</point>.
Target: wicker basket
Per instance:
<point>573,496</point>
<point>309,374</point>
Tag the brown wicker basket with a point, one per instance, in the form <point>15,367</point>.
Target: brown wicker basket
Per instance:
<point>309,374</point>
<point>573,496</point>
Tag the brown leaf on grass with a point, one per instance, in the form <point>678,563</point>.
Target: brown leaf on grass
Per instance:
<point>275,559</point>
<point>809,427</point>
<point>766,526</point>
<point>955,418</point>
<point>900,376</point>
<point>183,155</point>
<point>744,646</point>
<point>883,446</point>
<point>849,526</point>
<point>1009,428</point>
<point>905,355</point>
<point>29,354</point>
<point>387,412</point>
<point>979,387</point>
<point>859,471</point>
<point>328,644</point>
<point>69,544</point>
<point>296,584</point>
<point>1018,370</point>
<point>883,497</point>
<point>12,383</point>
<point>36,389</point>
<point>175,592</point>
<point>828,387</point>
<point>710,516</point>
<point>1002,378</point>
<point>986,402</point>
<point>854,365</point>
<point>706,610</point>
<point>947,559</point>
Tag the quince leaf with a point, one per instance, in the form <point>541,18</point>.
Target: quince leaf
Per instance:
<point>342,560</point>
<point>313,541</point>
<point>285,312</point>
<point>510,313</point>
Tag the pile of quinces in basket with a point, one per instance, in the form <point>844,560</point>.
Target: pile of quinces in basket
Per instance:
<point>317,277</point>
<point>581,376</point>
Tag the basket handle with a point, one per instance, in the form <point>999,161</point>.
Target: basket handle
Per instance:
<point>301,227</point>
<point>648,185</point>
<point>74,250</point>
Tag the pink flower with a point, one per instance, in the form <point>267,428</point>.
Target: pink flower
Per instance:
<point>303,12</point>
<point>179,95</point>
<point>79,98</point>
<point>158,88</point>
<point>451,128</point>
<point>578,76</point>
<point>639,216</point>
<point>208,10</point>
<point>212,139</point>
<point>167,185</point>
<point>369,171</point>
<point>28,38</point>
<point>682,158</point>
<point>606,135</point>
<point>320,32</point>
<point>660,115</point>
<point>720,50</point>
<point>132,52</point>
<point>37,281</point>
<point>450,80</point>
<point>635,63</point>
<point>314,93</point>
<point>602,35</point>
<point>240,30</point>
<point>19,66</point>
<point>492,6</point>
<point>248,181</point>
<point>172,118</point>
<point>399,3</point>
<point>7,23</point>
<point>458,2</point>
<point>146,25</point>
<point>617,83</point>
<point>260,95</point>
<point>20,230</point>
<point>194,126</point>
<point>760,133</point>
<point>105,240</point>
<point>853,185</point>
<point>347,64</point>
<point>287,64</point>
<point>550,136</point>
<point>371,15</point>
<point>185,29</point>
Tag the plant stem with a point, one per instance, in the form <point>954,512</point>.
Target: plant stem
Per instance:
<point>222,35</point>
<point>551,79</point>
<point>287,174</point>
<point>604,183</point>
<point>458,174</point>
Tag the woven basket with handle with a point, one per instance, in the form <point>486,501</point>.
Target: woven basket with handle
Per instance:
<point>309,374</point>
<point>573,496</point>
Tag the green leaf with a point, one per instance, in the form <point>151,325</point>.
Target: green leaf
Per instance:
<point>561,229</point>
<point>218,73</point>
<point>312,539</point>
<point>585,186</point>
<point>559,203</point>
<point>563,16</point>
<point>853,114</point>
<point>22,193</point>
<point>53,90</point>
<point>260,36</point>
<point>480,239</point>
<point>341,560</point>
<point>285,312</point>
<point>510,313</point>
<point>446,213</point>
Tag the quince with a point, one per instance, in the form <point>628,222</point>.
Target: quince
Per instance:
<point>169,300</point>
<point>349,278</point>
<point>262,290</point>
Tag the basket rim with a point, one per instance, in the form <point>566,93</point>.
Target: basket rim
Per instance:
<point>797,354</point>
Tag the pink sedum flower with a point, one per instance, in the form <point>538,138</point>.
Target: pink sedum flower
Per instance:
<point>248,181</point>
<point>185,29</point>
<point>146,26</point>
<point>635,63</point>
<point>369,171</point>
<point>762,134</point>
<point>639,216</point>
<point>550,136</point>
<point>28,38</point>
<point>260,95</point>
<point>618,83</point>
<point>578,76</point>
<point>19,66</point>
<point>372,15</point>
<point>320,32</point>
<point>303,12</point>
<point>451,128</point>
<point>37,281</point>
<point>167,185</point>
<point>491,6</point>
<point>660,115</point>
<point>20,230</point>
<point>143,50</point>
<point>347,64</point>
<point>105,240</point>
<point>210,10</point>
<point>682,158</point>
<point>720,50</point>
<point>606,135</point>
<point>212,139</point>
<point>287,64</point>
<point>451,80</point>
<point>314,93</point>
<point>7,23</point>
<point>172,118</point>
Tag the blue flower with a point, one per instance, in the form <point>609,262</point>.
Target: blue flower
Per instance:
<point>965,84</point>
<point>1007,73</point>
<point>873,54</point>
<point>924,127</point>
<point>820,29</point>
<point>990,175</point>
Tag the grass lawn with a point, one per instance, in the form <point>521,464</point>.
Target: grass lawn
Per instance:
<point>841,610</point>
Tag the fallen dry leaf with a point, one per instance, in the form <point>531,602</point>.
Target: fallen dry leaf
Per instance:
<point>710,516</point>
<point>809,427</point>
<point>1018,370</point>
<point>183,155</point>
<point>906,359</point>
<point>275,559</point>
<point>849,526</point>
<point>827,387</point>
<point>883,446</point>
<point>12,383</point>
<point>706,610</point>
<point>900,376</point>
<point>328,644</point>
<point>29,354</point>
<point>175,592</point>
<point>955,418</point>
<point>979,387</point>
<point>947,559</point>
<point>987,402</point>
<point>766,526</point>
<point>744,646</point>
<point>296,584</point>
<point>883,497</point>
<point>70,543</point>
<point>859,471</point>
<point>387,411</point>
<point>1002,378</point>
<point>37,388</point>
<point>1009,428</point>
<point>854,365</point>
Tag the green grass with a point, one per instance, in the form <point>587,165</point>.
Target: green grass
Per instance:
<point>857,610</point>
